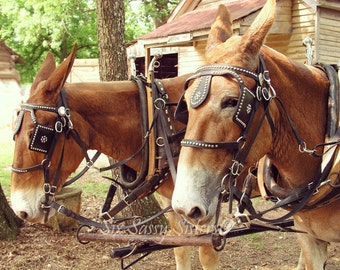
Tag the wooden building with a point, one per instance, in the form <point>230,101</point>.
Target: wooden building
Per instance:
<point>182,39</point>
<point>84,70</point>
<point>8,59</point>
<point>10,91</point>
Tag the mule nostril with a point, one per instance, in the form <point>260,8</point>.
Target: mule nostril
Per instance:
<point>195,213</point>
<point>23,215</point>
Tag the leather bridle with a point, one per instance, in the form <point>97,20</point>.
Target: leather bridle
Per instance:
<point>247,105</point>
<point>44,139</point>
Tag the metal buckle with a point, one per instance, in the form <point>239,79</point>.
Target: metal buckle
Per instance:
<point>236,168</point>
<point>106,216</point>
<point>47,188</point>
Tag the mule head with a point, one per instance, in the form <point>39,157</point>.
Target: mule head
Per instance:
<point>41,143</point>
<point>213,101</point>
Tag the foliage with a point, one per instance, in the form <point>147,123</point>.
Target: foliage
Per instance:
<point>142,16</point>
<point>33,27</point>
<point>159,10</point>
<point>136,22</point>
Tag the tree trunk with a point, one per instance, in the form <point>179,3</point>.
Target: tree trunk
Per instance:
<point>112,67</point>
<point>9,222</point>
<point>111,40</point>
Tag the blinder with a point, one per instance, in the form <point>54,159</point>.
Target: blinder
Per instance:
<point>43,136</point>
<point>246,105</point>
<point>181,113</point>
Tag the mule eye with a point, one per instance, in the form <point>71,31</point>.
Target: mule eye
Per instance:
<point>229,102</point>
<point>30,133</point>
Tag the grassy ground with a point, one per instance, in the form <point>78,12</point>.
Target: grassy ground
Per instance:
<point>6,157</point>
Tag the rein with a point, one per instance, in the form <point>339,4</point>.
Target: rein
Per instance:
<point>161,133</point>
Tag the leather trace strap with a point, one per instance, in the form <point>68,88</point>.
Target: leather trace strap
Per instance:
<point>164,134</point>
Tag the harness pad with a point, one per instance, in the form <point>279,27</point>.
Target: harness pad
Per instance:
<point>201,91</point>
<point>245,107</point>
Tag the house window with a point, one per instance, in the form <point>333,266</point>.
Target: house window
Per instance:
<point>168,66</point>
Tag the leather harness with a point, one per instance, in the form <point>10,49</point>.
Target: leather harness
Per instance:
<point>161,122</point>
<point>248,102</point>
<point>328,190</point>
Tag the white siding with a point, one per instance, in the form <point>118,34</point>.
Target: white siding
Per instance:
<point>328,27</point>
<point>303,25</point>
<point>191,57</point>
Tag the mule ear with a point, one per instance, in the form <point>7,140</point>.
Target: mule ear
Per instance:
<point>58,78</point>
<point>253,38</point>
<point>221,29</point>
<point>45,71</point>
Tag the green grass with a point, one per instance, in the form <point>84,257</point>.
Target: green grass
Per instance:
<point>93,185</point>
<point>255,240</point>
<point>6,158</point>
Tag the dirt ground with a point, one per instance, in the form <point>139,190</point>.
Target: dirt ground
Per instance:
<point>39,247</point>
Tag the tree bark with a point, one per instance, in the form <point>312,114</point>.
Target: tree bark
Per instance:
<point>112,67</point>
<point>9,222</point>
<point>111,40</point>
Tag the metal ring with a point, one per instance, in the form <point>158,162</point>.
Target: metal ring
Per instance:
<point>302,147</point>
<point>265,93</point>
<point>67,113</point>
<point>239,141</point>
<point>223,183</point>
<point>266,76</point>
<point>258,93</point>
<point>77,234</point>
<point>236,168</point>
<point>64,121</point>
<point>58,126</point>
<point>162,101</point>
<point>218,242</point>
<point>156,64</point>
<point>45,162</point>
<point>160,141</point>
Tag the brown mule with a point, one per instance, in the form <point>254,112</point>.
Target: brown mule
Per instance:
<point>224,124</point>
<point>107,118</point>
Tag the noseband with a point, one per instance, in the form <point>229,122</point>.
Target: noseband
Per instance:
<point>43,139</point>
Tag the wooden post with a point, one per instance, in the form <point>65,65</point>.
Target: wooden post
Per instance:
<point>202,240</point>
